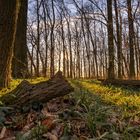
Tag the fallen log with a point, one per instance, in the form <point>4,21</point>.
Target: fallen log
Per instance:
<point>119,82</point>
<point>27,93</point>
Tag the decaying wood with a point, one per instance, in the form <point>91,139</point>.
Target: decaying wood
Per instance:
<point>119,82</point>
<point>26,93</point>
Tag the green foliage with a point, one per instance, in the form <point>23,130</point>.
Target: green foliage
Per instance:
<point>38,131</point>
<point>95,113</point>
<point>34,134</point>
<point>67,129</point>
<point>126,98</point>
<point>109,111</point>
<point>4,111</point>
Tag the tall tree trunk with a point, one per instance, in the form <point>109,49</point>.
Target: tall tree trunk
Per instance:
<point>20,65</point>
<point>111,74</point>
<point>52,41</point>
<point>64,47</point>
<point>70,47</point>
<point>119,47</point>
<point>46,40</point>
<point>131,40</point>
<point>8,20</point>
<point>38,39</point>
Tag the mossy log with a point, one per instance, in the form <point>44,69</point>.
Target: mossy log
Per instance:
<point>119,82</point>
<point>27,93</point>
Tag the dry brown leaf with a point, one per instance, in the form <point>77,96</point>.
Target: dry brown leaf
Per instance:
<point>32,116</point>
<point>83,138</point>
<point>50,136</point>
<point>10,138</point>
<point>49,122</point>
<point>28,127</point>
<point>58,130</point>
<point>2,134</point>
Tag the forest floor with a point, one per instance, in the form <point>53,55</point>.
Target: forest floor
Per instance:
<point>92,111</point>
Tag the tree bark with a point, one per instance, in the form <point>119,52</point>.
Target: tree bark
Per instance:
<point>8,21</point>
<point>131,40</point>
<point>119,43</point>
<point>20,65</point>
<point>38,39</point>
<point>111,74</point>
<point>52,49</point>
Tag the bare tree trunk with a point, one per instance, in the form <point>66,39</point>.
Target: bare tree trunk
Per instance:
<point>131,40</point>
<point>20,65</point>
<point>8,22</point>
<point>52,41</point>
<point>46,40</point>
<point>111,74</point>
<point>77,43</point>
<point>64,47</point>
<point>70,48</point>
<point>119,47</point>
<point>38,40</point>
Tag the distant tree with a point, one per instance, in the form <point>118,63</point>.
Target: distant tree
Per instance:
<point>119,44</point>
<point>8,21</point>
<point>131,40</point>
<point>38,37</point>
<point>85,42</point>
<point>20,65</point>
<point>46,32</point>
<point>52,40</point>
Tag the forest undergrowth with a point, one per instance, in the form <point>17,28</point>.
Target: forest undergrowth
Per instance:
<point>92,111</point>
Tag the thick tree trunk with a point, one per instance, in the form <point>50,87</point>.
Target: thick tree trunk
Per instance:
<point>8,21</point>
<point>27,93</point>
<point>20,68</point>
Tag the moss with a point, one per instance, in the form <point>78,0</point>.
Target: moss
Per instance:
<point>127,99</point>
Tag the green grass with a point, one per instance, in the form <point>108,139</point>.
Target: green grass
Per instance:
<point>128,99</point>
<point>112,113</point>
